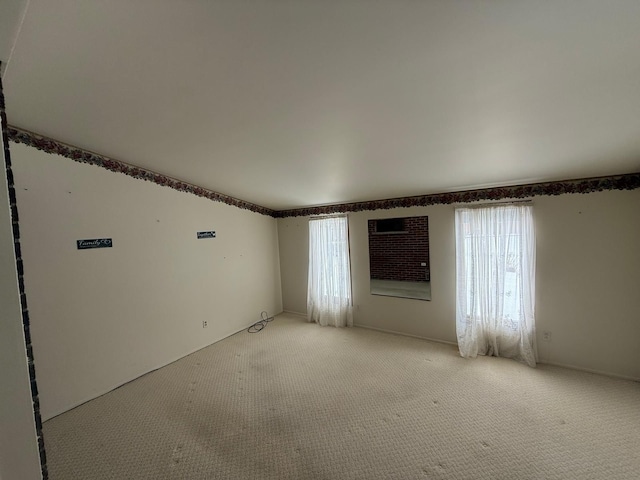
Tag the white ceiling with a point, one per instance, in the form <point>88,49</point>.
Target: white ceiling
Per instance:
<point>290,103</point>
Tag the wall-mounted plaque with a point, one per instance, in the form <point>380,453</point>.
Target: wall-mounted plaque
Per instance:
<point>206,234</point>
<point>94,243</point>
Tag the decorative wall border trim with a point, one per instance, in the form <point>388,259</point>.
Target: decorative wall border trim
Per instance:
<point>76,154</point>
<point>26,323</point>
<point>629,181</point>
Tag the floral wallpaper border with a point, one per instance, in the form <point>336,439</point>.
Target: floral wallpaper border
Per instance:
<point>49,145</point>
<point>628,181</point>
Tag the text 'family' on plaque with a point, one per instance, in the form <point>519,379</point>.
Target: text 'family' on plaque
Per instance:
<point>94,243</point>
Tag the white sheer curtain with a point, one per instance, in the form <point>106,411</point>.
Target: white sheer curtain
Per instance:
<point>329,290</point>
<point>495,264</point>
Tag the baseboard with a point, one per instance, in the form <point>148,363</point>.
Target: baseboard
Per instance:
<point>118,385</point>
<point>405,334</point>
<point>589,370</point>
<point>298,314</point>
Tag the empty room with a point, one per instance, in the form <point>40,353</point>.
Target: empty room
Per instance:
<point>308,239</point>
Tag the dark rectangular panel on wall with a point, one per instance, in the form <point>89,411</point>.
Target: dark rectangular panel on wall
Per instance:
<point>207,234</point>
<point>94,243</point>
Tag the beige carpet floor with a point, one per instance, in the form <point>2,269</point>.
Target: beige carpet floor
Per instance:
<point>297,401</point>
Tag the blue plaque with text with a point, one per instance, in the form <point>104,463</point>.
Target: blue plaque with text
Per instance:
<point>94,243</point>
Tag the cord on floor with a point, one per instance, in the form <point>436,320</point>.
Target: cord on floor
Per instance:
<point>259,325</point>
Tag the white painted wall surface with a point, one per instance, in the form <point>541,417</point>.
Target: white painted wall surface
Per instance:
<point>106,316</point>
<point>587,283</point>
<point>19,457</point>
<point>293,236</point>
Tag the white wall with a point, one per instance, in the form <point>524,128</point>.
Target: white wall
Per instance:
<point>293,237</point>
<point>588,278</point>
<point>19,457</point>
<point>103,317</point>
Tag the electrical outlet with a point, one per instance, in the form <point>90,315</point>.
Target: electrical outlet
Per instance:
<point>205,324</point>
<point>546,336</point>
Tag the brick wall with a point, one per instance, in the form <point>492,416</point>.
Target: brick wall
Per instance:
<point>397,256</point>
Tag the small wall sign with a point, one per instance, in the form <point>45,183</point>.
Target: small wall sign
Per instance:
<point>94,243</point>
<point>206,234</point>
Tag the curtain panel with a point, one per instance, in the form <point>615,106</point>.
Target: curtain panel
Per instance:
<point>495,278</point>
<point>329,288</point>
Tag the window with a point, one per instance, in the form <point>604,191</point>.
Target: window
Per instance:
<point>495,266</point>
<point>329,287</point>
